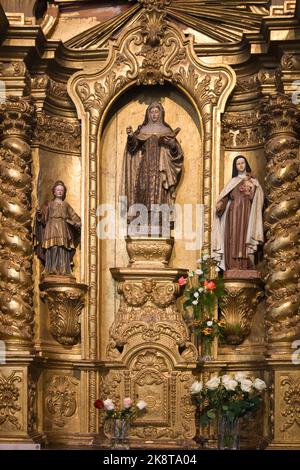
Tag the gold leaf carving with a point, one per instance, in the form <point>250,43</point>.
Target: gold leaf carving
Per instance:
<point>280,120</point>
<point>290,403</point>
<point>9,397</point>
<point>61,400</point>
<point>16,311</point>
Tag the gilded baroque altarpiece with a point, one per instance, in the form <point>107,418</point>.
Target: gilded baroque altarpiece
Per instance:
<point>75,76</point>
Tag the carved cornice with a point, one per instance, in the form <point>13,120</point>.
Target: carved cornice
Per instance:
<point>58,134</point>
<point>242,130</point>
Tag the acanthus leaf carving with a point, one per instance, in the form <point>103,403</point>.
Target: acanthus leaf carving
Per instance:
<point>61,400</point>
<point>9,399</point>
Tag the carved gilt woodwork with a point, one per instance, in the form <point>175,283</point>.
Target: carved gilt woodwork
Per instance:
<point>282,222</point>
<point>238,308</point>
<point>65,302</point>
<point>16,315</point>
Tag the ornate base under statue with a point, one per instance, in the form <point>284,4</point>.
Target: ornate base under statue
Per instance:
<point>65,300</point>
<point>151,357</point>
<point>239,306</point>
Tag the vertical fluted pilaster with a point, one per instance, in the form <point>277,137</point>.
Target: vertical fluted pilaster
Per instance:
<point>16,288</point>
<point>280,119</point>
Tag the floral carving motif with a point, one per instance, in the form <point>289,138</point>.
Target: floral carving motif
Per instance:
<point>291,403</point>
<point>61,399</point>
<point>9,397</point>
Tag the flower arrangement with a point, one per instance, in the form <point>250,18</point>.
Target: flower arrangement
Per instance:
<point>202,295</point>
<point>128,412</point>
<point>230,395</point>
<point>119,419</point>
<point>228,398</point>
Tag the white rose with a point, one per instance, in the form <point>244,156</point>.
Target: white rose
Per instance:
<point>196,294</point>
<point>230,384</point>
<point>199,272</point>
<point>191,274</point>
<point>108,404</point>
<point>240,376</point>
<point>196,387</point>
<point>259,385</point>
<point>209,323</point>
<point>141,404</point>
<point>218,269</point>
<point>213,383</point>
<point>226,378</point>
<point>200,289</point>
<point>246,385</point>
<point>205,257</point>
<point>195,302</point>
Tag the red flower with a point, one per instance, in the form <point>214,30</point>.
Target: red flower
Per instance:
<point>211,285</point>
<point>205,283</point>
<point>99,404</point>
<point>182,281</point>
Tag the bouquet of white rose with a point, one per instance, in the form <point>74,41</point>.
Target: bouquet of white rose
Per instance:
<point>231,396</point>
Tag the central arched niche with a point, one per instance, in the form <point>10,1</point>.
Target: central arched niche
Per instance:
<point>128,110</point>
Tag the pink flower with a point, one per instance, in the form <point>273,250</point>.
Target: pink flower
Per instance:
<point>182,281</point>
<point>127,402</point>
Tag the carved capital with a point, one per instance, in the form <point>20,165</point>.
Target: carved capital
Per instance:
<point>238,308</point>
<point>65,303</point>
<point>279,115</point>
<point>17,115</point>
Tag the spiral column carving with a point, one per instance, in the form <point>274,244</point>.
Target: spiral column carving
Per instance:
<point>16,288</point>
<point>282,223</point>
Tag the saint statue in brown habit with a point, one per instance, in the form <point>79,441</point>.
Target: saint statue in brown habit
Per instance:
<point>153,161</point>
<point>238,224</point>
<point>57,232</point>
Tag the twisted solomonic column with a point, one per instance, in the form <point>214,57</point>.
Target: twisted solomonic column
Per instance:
<point>16,288</point>
<point>282,223</point>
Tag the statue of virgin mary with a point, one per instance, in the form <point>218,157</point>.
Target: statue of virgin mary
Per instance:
<point>152,162</point>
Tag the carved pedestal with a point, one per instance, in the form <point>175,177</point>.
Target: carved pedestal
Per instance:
<point>65,301</point>
<point>150,354</point>
<point>18,401</point>
<point>238,308</point>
